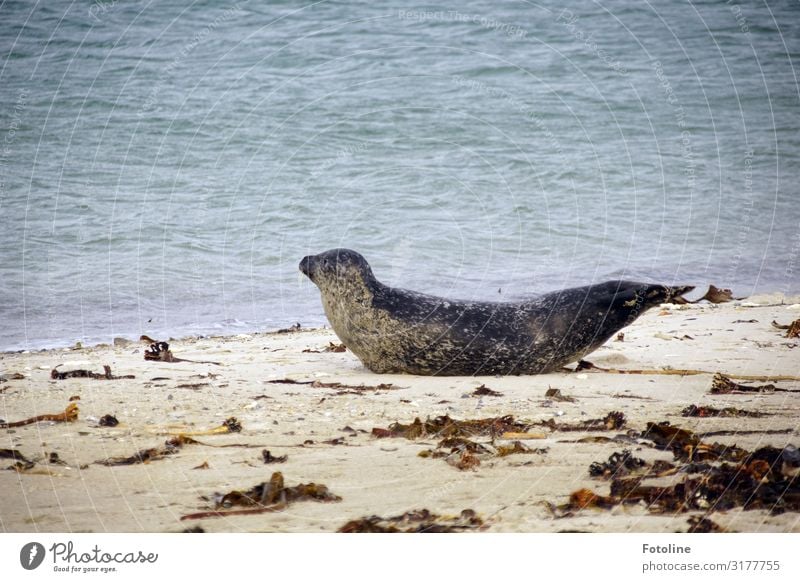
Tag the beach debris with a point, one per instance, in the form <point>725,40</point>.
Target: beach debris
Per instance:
<point>171,447</point>
<point>465,454</point>
<point>230,425</point>
<point>291,328</point>
<point>159,351</point>
<point>701,524</point>
<point>620,337</point>
<point>713,477</point>
<point>611,421</point>
<point>54,459</point>
<point>710,412</point>
<point>193,386</point>
<point>793,329</point>
<point>22,464</point>
<point>717,295</point>
<point>106,375</point>
<point>555,394</point>
<point>338,386</point>
<point>331,347</point>
<point>523,435</point>
<point>722,384</point>
<point>202,466</point>
<point>11,376</point>
<point>272,495</point>
<point>74,398</point>
<point>687,446</point>
<point>108,420</point>
<point>483,390</point>
<point>586,498</point>
<point>268,458</point>
<point>584,365</point>
<point>518,448</point>
<point>70,414</point>
<point>463,460</point>
<point>619,464</point>
<point>416,521</point>
<point>444,426</point>
<point>195,529</point>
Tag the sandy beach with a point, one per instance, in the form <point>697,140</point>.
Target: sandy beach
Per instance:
<point>326,432</point>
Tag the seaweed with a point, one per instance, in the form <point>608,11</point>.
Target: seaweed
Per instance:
<point>518,448</point>
<point>268,458</point>
<point>159,352</point>
<point>54,459</point>
<point>290,329</point>
<point>619,464</point>
<point>701,524</point>
<point>444,426</point>
<point>467,454</point>
<point>11,376</point>
<point>715,477</point>
<point>687,446</point>
<point>792,330</point>
<point>483,390</point>
<point>14,455</point>
<point>716,295</point>
<point>108,420</point>
<point>106,375</point>
<point>70,414</point>
<point>331,347</point>
<point>272,495</point>
<point>416,521</point>
<point>611,421</point>
<point>722,384</point>
<point>711,412</point>
<point>341,388</point>
<point>230,425</point>
<point>555,394</point>
<point>171,447</point>
<point>584,365</point>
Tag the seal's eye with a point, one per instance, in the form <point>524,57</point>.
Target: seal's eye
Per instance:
<point>325,263</point>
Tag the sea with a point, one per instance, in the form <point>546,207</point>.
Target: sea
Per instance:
<point>164,166</point>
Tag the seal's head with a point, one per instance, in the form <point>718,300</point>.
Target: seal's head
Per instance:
<point>338,270</point>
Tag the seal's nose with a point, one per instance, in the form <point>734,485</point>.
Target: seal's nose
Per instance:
<point>305,266</point>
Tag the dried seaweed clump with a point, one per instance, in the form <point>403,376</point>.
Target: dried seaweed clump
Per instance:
<point>417,521</point>
<point>687,446</point>
<point>711,412</point>
<point>792,330</point>
<point>106,375</point>
<point>444,426</point>
<point>70,414</point>
<point>272,495</point>
<point>713,477</point>
<point>721,384</point>
<point>619,464</point>
<point>611,421</point>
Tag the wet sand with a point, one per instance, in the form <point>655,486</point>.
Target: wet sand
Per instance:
<point>373,476</point>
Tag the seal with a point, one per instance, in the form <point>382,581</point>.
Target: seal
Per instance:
<point>394,330</point>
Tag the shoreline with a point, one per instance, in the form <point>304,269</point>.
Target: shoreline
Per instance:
<point>775,298</point>
<point>321,399</point>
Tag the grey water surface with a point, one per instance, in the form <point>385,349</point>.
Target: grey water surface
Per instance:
<point>165,165</point>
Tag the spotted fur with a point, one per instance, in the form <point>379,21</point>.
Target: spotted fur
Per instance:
<point>393,330</point>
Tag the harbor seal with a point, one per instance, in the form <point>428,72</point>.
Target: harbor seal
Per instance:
<point>394,330</point>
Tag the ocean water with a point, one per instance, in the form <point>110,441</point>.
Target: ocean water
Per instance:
<point>164,166</point>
